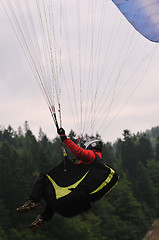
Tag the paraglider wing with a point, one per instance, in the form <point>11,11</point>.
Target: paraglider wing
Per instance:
<point>143,15</point>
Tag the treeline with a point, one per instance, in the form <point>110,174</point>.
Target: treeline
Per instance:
<point>124,214</point>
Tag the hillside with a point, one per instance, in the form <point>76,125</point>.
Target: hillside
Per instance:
<point>153,233</point>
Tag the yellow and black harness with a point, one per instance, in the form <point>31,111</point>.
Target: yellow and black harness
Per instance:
<point>76,185</point>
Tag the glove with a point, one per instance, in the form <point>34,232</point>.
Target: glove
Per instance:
<point>62,134</point>
<point>61,131</point>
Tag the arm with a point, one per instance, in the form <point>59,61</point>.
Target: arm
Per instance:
<point>86,156</point>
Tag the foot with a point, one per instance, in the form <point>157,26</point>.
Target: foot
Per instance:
<point>27,206</point>
<point>37,223</point>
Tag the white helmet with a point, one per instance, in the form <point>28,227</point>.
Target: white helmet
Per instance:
<point>93,144</point>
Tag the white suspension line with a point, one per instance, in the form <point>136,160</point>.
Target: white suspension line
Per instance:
<point>28,42</point>
<point>96,62</point>
<point>133,91</point>
<point>70,54</point>
<point>100,82</point>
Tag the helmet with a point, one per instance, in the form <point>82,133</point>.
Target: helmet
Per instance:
<point>93,144</point>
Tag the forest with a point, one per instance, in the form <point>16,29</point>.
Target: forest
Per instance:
<point>125,213</point>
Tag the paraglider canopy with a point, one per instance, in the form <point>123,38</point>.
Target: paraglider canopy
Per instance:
<point>143,15</point>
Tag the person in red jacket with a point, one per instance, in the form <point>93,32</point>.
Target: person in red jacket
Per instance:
<point>77,196</point>
<point>85,156</point>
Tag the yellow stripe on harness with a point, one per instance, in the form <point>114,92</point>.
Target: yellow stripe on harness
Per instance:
<point>108,179</point>
<point>63,191</point>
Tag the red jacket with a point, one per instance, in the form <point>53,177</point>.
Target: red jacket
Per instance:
<point>84,156</point>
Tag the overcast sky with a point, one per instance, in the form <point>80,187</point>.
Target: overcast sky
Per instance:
<point>21,99</point>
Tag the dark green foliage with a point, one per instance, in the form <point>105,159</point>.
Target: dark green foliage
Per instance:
<point>124,214</point>
<point>157,149</point>
<point>108,154</point>
<point>144,149</point>
<point>129,155</point>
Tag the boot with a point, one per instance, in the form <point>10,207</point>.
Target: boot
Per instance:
<point>37,223</point>
<point>27,206</point>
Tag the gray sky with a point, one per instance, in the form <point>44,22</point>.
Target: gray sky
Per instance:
<point>21,98</point>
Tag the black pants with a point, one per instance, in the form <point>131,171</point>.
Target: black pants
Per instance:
<point>43,189</point>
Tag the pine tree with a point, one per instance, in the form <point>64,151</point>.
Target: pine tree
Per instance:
<point>129,156</point>
<point>144,190</point>
<point>157,149</point>
<point>144,149</point>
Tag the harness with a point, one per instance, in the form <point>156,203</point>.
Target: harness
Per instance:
<point>96,177</point>
<point>77,185</point>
